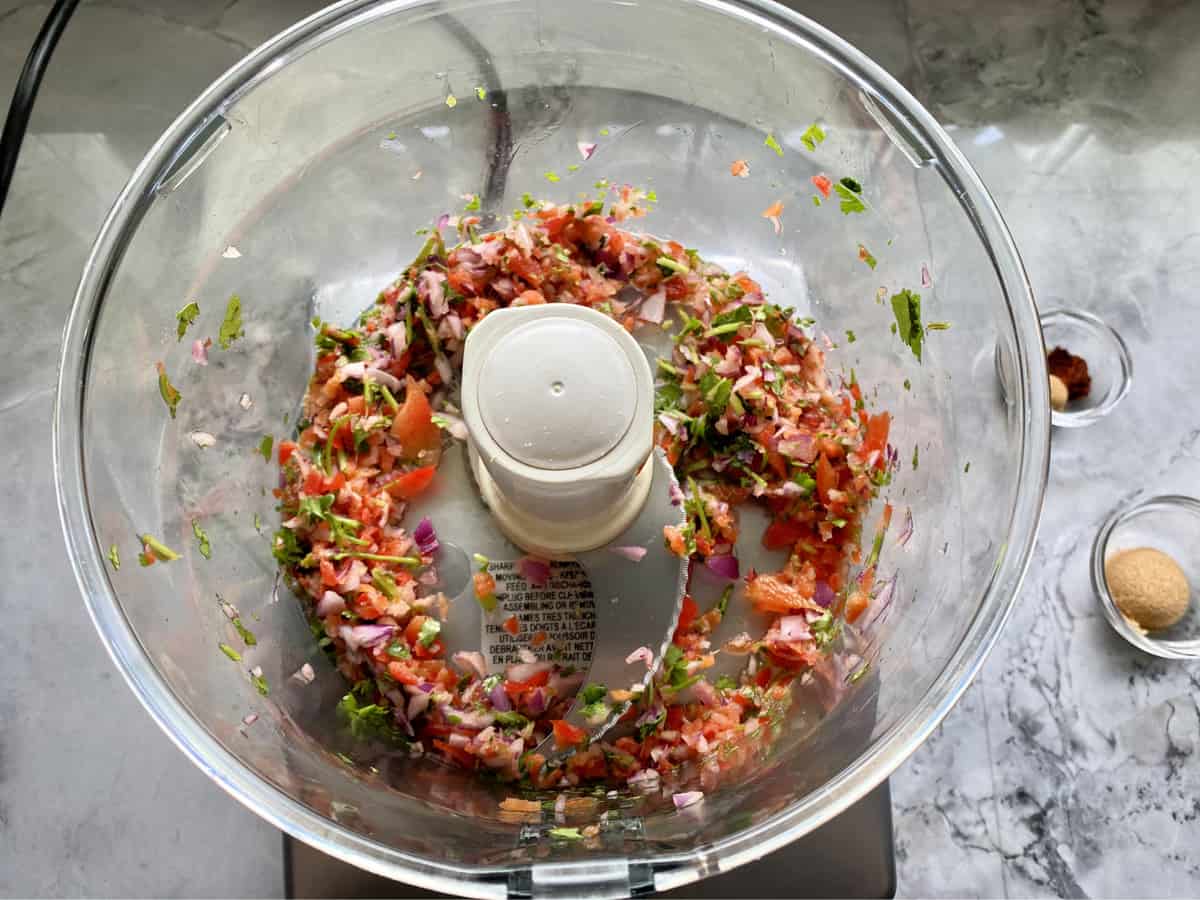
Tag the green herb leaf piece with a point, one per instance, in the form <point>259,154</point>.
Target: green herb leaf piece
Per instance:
<point>231,327</point>
<point>168,391</point>
<point>230,652</point>
<point>185,317</point>
<point>265,446</point>
<point>114,557</point>
<point>202,538</point>
<point>906,306</point>
<point>773,144</point>
<point>812,136</point>
<point>849,190</point>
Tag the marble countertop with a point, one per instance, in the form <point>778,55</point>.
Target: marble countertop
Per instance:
<point>1068,769</point>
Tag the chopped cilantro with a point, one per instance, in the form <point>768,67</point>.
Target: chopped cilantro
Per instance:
<point>906,306</point>
<point>573,167</point>
<point>202,537</point>
<point>230,652</point>
<point>378,557</point>
<point>114,557</point>
<point>938,326</point>
<point>231,327</point>
<point>725,683</point>
<point>430,629</point>
<point>246,634</point>
<point>816,200</point>
<point>552,176</point>
<point>593,692</point>
<point>916,460</point>
<point>865,255</point>
<point>825,629</point>
<point>399,650</point>
<point>851,337</point>
<point>265,446</point>
<point>773,144</point>
<point>385,583</point>
<point>907,384</point>
<point>604,132</point>
<point>812,136</point>
<point>260,684</point>
<point>849,190</point>
<point>967,467</point>
<point>480,93</point>
<point>170,395</point>
<point>286,547</point>
<point>511,719</point>
<point>527,199</point>
<point>369,720</point>
<point>565,834</point>
<point>451,101</point>
<point>716,391</point>
<point>723,603</point>
<point>184,318</point>
<point>472,204</point>
<point>855,676</point>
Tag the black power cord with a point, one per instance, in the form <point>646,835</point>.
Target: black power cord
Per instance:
<point>27,89</point>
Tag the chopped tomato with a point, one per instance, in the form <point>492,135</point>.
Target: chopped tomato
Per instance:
<point>782,534</point>
<point>539,638</point>
<point>413,423</point>
<point>822,184</point>
<point>674,717</point>
<point>687,614</point>
<point>460,756</point>
<point>513,688</point>
<point>286,449</point>
<point>826,478</point>
<point>567,735</point>
<point>411,483</point>
<point>876,438</point>
<point>512,625</point>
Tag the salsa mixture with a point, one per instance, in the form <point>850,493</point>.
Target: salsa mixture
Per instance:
<point>746,413</point>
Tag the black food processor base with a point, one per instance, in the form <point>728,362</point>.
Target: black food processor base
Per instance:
<point>851,856</point>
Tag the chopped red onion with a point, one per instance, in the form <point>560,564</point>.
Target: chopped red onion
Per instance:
<point>723,566</point>
<point>525,671</point>
<point>653,308</point>
<point>633,553</point>
<point>442,221</point>
<point>456,426</point>
<point>645,654</point>
<point>499,698</point>
<point>202,439</point>
<point>534,570</point>
<point>231,252</point>
<point>824,594</point>
<point>471,661</point>
<point>358,636</point>
<point>586,150</point>
<point>794,628</point>
<point>256,671</point>
<point>687,798</point>
<point>199,352</point>
<point>417,704</point>
<point>426,537</point>
<point>526,655</point>
<point>444,369</point>
<point>397,333</point>
<point>670,423</point>
<point>249,719</point>
<point>535,701</point>
<point>560,808</point>
<point>676,493</point>
<point>304,674</point>
<point>926,280</point>
<point>643,777</point>
<point>907,531</point>
<point>706,693</point>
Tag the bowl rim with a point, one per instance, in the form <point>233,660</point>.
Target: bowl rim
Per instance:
<point>889,749</point>
<point>1121,625</point>
<point>1123,362</point>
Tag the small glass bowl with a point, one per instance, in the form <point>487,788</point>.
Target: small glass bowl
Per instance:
<point>1170,524</point>
<point>1107,357</point>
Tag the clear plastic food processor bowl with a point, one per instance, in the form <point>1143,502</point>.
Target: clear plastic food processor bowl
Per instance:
<point>297,182</point>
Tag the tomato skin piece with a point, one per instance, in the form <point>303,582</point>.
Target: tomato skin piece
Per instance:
<point>687,615</point>
<point>567,735</point>
<point>822,184</point>
<point>411,483</point>
<point>512,626</point>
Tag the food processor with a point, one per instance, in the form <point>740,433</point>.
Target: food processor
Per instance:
<point>296,183</point>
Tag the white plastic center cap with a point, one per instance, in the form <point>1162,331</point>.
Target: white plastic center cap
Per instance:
<point>557,393</point>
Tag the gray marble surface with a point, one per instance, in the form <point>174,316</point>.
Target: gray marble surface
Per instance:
<point>1069,767</point>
